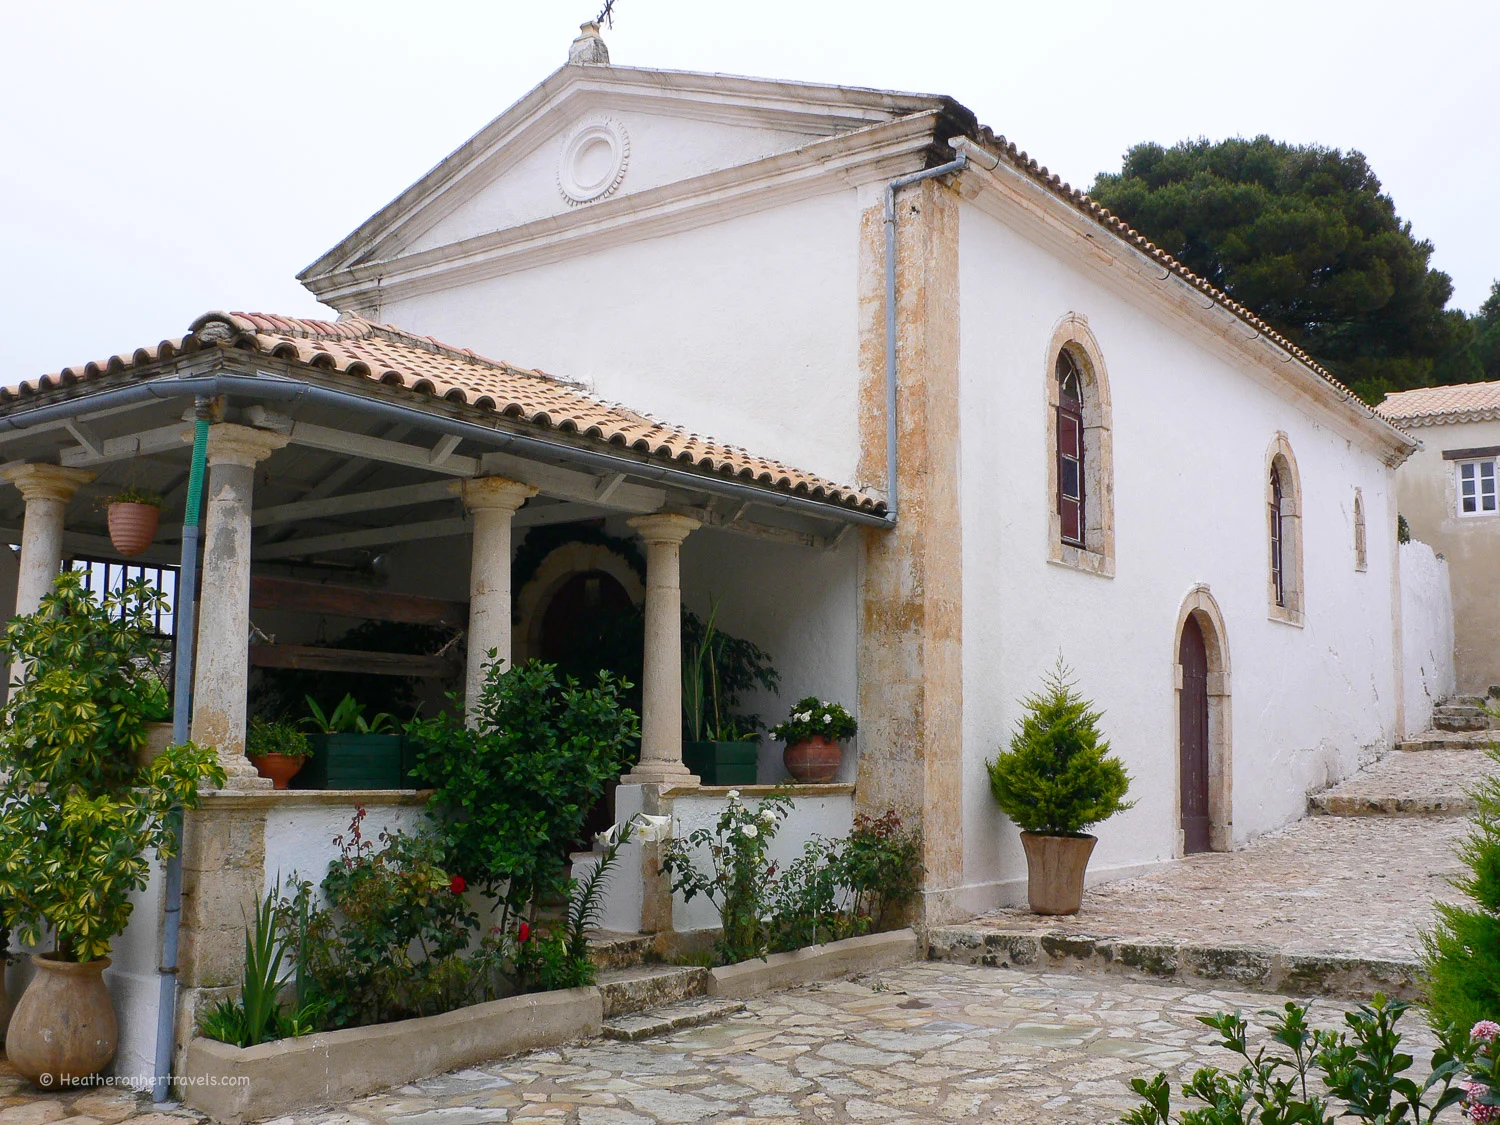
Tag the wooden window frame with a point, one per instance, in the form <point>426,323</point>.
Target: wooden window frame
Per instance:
<point>1071,452</point>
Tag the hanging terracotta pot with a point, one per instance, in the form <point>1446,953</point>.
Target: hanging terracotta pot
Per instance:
<point>280,768</point>
<point>813,761</point>
<point>132,526</point>
<point>63,1030</point>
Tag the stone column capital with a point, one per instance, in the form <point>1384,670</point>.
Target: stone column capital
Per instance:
<point>229,444</point>
<point>664,527</point>
<point>41,481</point>
<point>494,492</point>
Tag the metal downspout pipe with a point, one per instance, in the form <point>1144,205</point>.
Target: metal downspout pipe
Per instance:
<point>958,164</point>
<point>185,629</point>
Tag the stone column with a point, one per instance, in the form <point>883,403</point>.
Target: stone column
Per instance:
<point>661,689</point>
<point>46,490</point>
<point>492,501</point>
<point>222,670</point>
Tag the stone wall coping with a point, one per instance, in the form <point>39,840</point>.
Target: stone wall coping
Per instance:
<point>816,963</point>
<point>235,799</point>
<point>836,789</point>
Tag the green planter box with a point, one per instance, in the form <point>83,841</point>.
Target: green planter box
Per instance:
<point>355,761</point>
<point>722,763</point>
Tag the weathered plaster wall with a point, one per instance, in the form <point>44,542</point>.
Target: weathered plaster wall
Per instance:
<point>799,605</point>
<point>1426,633</point>
<point>1428,495</point>
<point>1190,434</point>
<point>744,330</point>
<point>299,837</point>
<point>911,611</point>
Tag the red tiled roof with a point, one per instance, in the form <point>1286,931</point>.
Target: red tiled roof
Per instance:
<point>1458,402</point>
<point>381,353</point>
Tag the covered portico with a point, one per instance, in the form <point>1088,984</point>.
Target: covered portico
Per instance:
<point>332,446</point>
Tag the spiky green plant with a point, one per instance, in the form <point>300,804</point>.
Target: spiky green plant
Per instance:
<point>1058,777</point>
<point>1461,954</point>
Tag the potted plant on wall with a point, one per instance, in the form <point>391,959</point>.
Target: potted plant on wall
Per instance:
<point>77,816</point>
<point>134,515</point>
<point>719,747</point>
<point>1057,779</point>
<point>349,751</point>
<point>812,734</point>
<point>276,749</point>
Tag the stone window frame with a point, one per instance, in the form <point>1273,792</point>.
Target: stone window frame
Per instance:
<point>1201,605</point>
<point>1098,555</point>
<point>1361,534</point>
<point>1280,460</point>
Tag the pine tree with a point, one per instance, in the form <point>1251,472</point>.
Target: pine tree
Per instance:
<point>1058,777</point>
<point>1462,952</point>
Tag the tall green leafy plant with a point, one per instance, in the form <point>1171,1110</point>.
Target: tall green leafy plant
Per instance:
<point>1461,954</point>
<point>513,788</point>
<point>716,669</point>
<point>77,816</point>
<point>258,1016</point>
<point>1058,777</point>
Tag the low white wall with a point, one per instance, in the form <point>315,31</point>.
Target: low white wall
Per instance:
<point>830,817</point>
<point>299,838</point>
<point>1426,633</point>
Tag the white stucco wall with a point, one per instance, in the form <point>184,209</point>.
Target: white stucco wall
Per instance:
<point>299,837</point>
<point>1426,633</point>
<point>1191,435</point>
<point>744,330</point>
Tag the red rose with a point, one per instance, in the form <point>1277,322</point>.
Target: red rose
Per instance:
<point>457,885</point>
<point>524,933</point>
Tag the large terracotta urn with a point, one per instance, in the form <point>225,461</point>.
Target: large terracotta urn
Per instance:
<point>132,526</point>
<point>813,761</point>
<point>63,1029</point>
<point>4,996</point>
<point>1055,866</point>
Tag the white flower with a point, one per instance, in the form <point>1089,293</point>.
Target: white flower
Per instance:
<point>827,718</point>
<point>750,830</point>
<point>734,794</point>
<point>653,829</point>
<point>768,816</point>
<point>609,837</point>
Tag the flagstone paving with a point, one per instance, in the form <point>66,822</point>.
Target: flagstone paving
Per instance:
<point>925,1042</point>
<point>1326,885</point>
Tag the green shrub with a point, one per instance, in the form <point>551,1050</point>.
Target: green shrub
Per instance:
<point>1058,777</point>
<point>257,1015</point>
<point>77,816</point>
<point>1363,1068</point>
<point>279,737</point>
<point>881,865</point>
<point>1461,954</point>
<point>512,791</point>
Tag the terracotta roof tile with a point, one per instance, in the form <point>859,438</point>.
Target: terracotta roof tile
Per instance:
<point>1458,402</point>
<point>392,356</point>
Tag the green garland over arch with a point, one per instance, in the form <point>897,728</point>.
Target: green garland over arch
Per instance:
<point>542,541</point>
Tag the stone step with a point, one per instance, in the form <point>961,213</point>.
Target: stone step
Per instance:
<point>1461,717</point>
<point>650,986</point>
<point>1242,966</point>
<point>611,950</point>
<point>1446,740</point>
<point>1337,804</point>
<point>673,1017</point>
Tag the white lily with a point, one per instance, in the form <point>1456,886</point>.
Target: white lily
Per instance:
<point>653,829</point>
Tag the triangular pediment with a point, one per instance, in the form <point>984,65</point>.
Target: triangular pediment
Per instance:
<point>593,133</point>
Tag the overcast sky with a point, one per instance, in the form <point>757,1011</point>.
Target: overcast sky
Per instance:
<point>158,160</point>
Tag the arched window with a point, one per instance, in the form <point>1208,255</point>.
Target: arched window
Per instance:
<point>1361,553</point>
<point>1284,527</point>
<point>1080,455</point>
<point>1070,451</point>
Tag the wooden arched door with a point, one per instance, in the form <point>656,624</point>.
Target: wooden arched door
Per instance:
<point>1192,726</point>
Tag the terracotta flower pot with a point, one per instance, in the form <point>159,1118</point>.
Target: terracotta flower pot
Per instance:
<point>813,761</point>
<point>63,1029</point>
<point>278,767</point>
<point>1054,871</point>
<point>132,527</point>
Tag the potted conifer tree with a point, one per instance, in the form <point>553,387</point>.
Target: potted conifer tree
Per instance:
<point>1057,779</point>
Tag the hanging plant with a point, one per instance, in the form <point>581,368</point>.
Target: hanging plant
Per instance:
<point>134,514</point>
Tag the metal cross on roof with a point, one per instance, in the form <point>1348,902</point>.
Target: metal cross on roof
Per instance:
<point>606,14</point>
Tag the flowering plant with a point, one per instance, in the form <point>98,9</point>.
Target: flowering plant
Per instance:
<point>1482,1091</point>
<point>739,876</point>
<point>812,717</point>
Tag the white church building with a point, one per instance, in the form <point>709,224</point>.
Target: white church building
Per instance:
<point>986,424</point>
